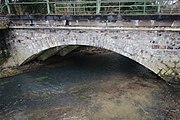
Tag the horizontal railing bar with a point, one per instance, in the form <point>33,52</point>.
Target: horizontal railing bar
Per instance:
<point>115,10</point>
<point>74,2</point>
<point>66,3</point>
<point>112,1</point>
<point>120,5</point>
<point>78,2</point>
<point>23,3</point>
<point>95,7</point>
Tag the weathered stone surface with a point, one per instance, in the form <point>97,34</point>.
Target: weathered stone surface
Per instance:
<point>95,23</point>
<point>4,22</point>
<point>66,50</point>
<point>157,50</point>
<point>48,53</point>
<point>3,47</point>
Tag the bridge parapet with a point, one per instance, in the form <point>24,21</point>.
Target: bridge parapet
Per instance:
<point>105,21</point>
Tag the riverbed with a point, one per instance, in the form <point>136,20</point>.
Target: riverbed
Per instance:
<point>89,87</point>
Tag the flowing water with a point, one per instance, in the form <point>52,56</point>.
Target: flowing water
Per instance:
<point>89,87</point>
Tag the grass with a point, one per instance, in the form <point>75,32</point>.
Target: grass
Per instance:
<point>42,78</point>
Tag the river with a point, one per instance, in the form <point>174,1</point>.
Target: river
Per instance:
<point>89,87</point>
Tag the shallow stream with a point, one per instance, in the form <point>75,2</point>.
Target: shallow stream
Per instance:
<point>89,87</point>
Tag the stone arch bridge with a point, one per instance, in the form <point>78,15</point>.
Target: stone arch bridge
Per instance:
<point>144,31</point>
<point>156,49</point>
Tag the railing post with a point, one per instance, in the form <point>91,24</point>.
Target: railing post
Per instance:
<point>8,8</point>
<point>119,7</point>
<point>74,6</point>
<point>48,7</point>
<point>144,11</point>
<point>98,6</point>
<point>159,6</point>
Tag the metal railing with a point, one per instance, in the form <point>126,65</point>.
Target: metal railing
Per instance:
<point>91,7</point>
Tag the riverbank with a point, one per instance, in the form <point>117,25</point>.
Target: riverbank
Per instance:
<point>12,71</point>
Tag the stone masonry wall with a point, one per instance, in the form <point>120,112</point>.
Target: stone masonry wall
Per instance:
<point>3,47</point>
<point>157,50</point>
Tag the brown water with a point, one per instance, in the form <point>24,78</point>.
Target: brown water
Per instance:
<point>94,87</point>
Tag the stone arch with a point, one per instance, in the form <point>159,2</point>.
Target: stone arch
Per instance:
<point>28,58</point>
<point>35,55</point>
<point>144,47</point>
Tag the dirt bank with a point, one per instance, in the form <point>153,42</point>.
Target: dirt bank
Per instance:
<point>12,71</point>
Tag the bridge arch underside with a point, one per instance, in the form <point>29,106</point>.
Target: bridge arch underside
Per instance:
<point>156,50</point>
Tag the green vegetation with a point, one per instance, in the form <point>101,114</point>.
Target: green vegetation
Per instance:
<point>42,78</point>
<point>26,8</point>
<point>45,95</point>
